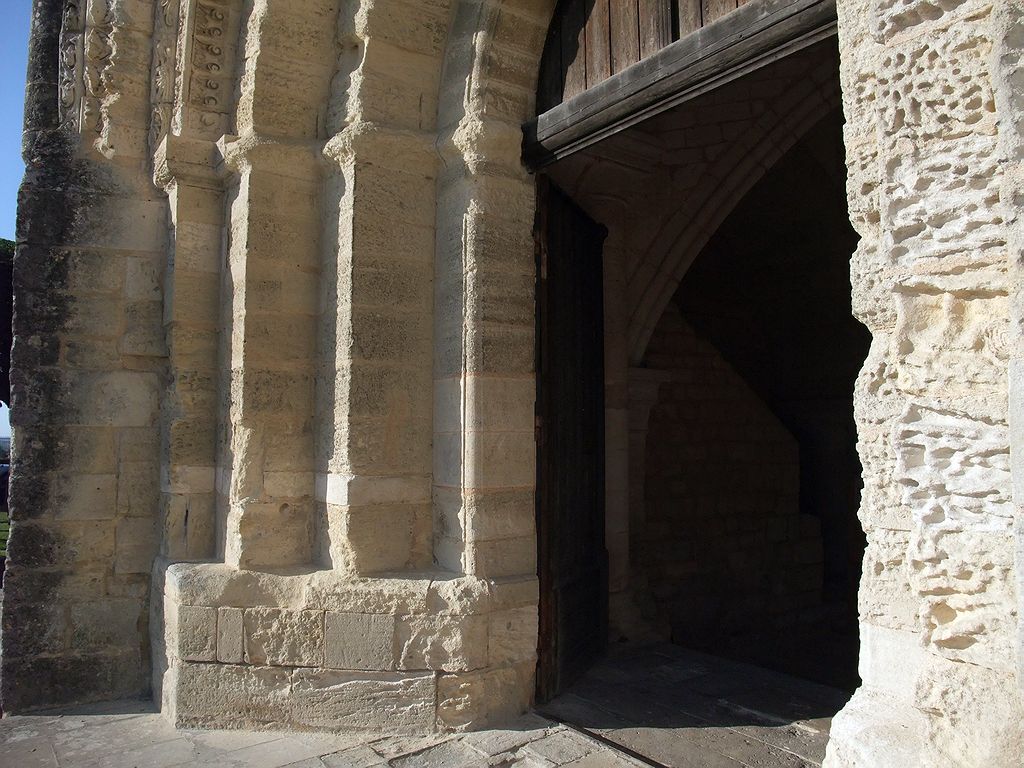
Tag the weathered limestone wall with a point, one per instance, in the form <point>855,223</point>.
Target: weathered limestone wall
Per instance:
<point>375,524</point>
<point>724,549</point>
<point>931,124</point>
<point>88,364</point>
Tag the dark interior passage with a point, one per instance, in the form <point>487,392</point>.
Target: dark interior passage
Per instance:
<point>753,481</point>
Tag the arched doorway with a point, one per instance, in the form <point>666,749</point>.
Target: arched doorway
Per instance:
<point>731,479</point>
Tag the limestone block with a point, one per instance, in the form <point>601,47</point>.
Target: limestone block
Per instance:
<point>562,747</point>
<point>505,350</point>
<point>284,637</point>
<point>377,390</point>
<point>876,729</point>
<point>474,700</point>
<point>378,595</point>
<point>393,450</point>
<point>419,27</point>
<point>230,636</point>
<point>121,398</point>
<point>964,580</point>
<point>185,478</point>
<point>219,584</point>
<point>136,545</point>
<point>377,286</point>
<point>953,469</point>
<point>90,450</point>
<point>886,597</point>
<point>463,595</point>
<point>514,592</point>
<point>77,543</point>
<point>503,557</point>
<point>143,278</point>
<point>500,514</point>
<point>976,716</point>
<point>355,490</point>
<point>288,484</point>
<point>393,336</point>
<point>383,537</point>
<point>389,702</point>
<point>359,641</point>
<point>105,624</point>
<point>948,335</point>
<point>230,695</point>
<point>95,317</point>
<point>188,526</point>
<point>513,636</point>
<point>87,497</point>
<point>450,643</point>
<point>94,272</point>
<point>500,459</point>
<point>890,660</point>
<point>30,629</point>
<point>144,331</point>
<point>197,633</point>
<point>138,491</point>
<point>271,534</point>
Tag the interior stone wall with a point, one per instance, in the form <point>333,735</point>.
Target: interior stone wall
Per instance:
<point>724,550</point>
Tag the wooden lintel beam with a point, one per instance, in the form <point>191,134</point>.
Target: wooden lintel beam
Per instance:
<point>756,34</point>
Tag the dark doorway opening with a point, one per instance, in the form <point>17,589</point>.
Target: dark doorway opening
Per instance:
<point>573,562</point>
<point>726,213</point>
<point>753,479</point>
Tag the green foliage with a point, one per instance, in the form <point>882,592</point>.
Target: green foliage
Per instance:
<point>6,250</point>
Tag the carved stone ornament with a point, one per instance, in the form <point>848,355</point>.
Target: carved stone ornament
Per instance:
<point>162,83</point>
<point>70,73</point>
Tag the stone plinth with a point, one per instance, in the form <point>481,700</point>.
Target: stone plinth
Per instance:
<point>412,653</point>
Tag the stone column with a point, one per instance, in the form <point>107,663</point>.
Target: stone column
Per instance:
<point>185,170</point>
<point>375,394</point>
<point>485,385</point>
<point>266,480</point>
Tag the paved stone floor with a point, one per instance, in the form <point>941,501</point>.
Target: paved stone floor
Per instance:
<point>642,707</point>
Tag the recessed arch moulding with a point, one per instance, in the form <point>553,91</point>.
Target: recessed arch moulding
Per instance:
<point>346,387</point>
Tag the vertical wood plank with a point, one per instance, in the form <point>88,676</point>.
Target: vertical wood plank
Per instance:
<point>572,559</point>
<point>599,58</point>
<point>716,9</point>
<point>655,26</point>
<point>625,33</point>
<point>688,19</point>
<point>574,48</point>
<point>550,80</point>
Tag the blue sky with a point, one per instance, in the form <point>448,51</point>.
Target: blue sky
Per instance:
<point>13,57</point>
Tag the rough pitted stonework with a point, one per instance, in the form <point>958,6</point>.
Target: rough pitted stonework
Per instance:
<point>275,410</point>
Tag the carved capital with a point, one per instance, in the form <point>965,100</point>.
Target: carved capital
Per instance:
<point>181,160</point>
<point>286,158</point>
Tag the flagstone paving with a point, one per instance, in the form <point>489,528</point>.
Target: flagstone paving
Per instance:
<point>660,706</point>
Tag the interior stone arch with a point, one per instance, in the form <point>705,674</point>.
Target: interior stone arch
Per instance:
<point>656,273</point>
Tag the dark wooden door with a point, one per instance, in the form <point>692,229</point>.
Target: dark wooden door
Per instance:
<point>573,562</point>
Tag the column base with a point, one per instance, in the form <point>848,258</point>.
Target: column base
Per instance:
<point>874,729</point>
<point>398,654</point>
